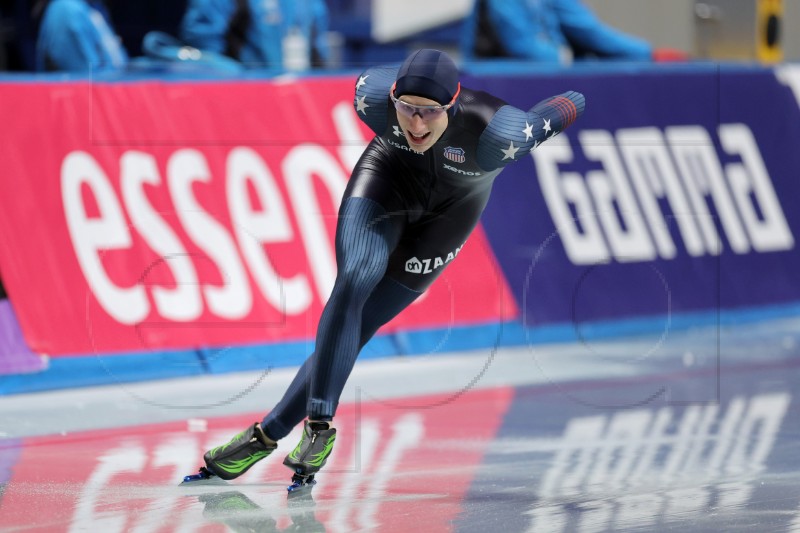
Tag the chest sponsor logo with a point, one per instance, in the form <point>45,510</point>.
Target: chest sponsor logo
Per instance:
<point>459,171</point>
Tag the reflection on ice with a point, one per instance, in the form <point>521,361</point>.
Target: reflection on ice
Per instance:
<point>631,468</point>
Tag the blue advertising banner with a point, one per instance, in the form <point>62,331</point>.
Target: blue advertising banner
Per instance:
<point>671,194</point>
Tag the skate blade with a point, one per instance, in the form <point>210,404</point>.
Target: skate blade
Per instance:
<point>301,485</point>
<point>203,477</point>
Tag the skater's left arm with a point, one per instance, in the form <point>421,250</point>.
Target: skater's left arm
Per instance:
<point>512,132</point>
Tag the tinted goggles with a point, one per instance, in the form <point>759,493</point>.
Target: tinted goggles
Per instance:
<point>426,112</point>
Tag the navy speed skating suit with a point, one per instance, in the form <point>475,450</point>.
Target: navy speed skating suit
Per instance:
<point>404,217</point>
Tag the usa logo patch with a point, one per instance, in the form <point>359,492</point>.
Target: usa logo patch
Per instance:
<point>455,154</point>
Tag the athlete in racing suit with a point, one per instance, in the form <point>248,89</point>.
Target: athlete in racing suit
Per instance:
<point>412,201</point>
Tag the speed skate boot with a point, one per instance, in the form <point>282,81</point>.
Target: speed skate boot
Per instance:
<point>310,454</point>
<point>233,459</point>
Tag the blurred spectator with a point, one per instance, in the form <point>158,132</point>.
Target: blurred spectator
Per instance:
<point>287,34</point>
<point>77,36</point>
<point>6,33</point>
<point>17,35</point>
<point>555,31</point>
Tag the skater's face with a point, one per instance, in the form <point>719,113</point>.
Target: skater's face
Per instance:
<point>422,120</point>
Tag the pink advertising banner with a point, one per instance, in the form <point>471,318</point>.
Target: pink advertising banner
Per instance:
<point>170,215</point>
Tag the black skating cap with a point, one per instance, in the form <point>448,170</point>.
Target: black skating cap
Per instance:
<point>430,74</point>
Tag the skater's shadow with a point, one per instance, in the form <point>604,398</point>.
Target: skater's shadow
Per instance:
<point>243,515</point>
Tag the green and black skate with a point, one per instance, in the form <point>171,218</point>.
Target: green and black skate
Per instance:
<point>233,459</point>
<point>310,454</point>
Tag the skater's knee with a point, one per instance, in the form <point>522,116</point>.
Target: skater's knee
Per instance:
<point>360,269</point>
<point>363,244</point>
<point>364,269</point>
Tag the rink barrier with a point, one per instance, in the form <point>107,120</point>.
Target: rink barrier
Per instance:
<point>15,356</point>
<point>576,241</point>
<point>168,217</point>
<point>117,370</point>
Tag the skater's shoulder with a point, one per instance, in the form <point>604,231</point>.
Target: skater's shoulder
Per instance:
<point>376,81</point>
<point>371,98</point>
<point>477,109</point>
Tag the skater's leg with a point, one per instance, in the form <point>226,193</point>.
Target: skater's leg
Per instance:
<point>385,303</point>
<point>387,300</point>
<point>365,237</point>
<point>291,409</point>
<point>328,380</point>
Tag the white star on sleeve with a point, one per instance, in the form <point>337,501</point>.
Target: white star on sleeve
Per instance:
<point>546,126</point>
<point>362,80</point>
<point>528,131</point>
<point>361,104</point>
<point>510,152</point>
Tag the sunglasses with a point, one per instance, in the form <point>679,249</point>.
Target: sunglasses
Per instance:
<point>426,112</point>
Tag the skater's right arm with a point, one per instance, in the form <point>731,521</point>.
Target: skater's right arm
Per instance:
<point>371,100</point>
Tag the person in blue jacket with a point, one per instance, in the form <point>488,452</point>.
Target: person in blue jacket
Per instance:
<point>255,32</point>
<point>77,36</point>
<point>554,31</point>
